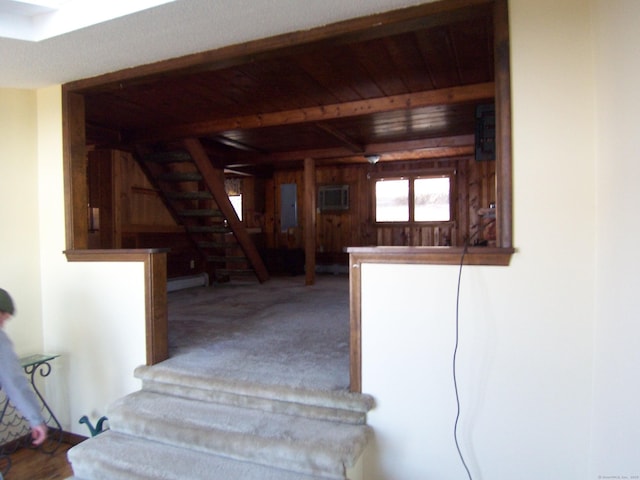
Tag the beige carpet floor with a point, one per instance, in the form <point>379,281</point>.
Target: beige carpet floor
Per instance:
<point>279,333</point>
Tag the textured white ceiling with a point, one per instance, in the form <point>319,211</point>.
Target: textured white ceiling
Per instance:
<point>168,31</point>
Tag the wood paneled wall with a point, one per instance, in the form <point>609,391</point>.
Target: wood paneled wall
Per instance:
<point>473,190</point>
<point>132,214</point>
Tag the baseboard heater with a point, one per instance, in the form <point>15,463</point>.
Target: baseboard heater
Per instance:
<point>188,281</point>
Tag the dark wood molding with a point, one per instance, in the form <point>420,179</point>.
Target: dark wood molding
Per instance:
<point>355,324</point>
<point>504,187</point>
<point>155,290</point>
<point>431,255</point>
<point>75,167</point>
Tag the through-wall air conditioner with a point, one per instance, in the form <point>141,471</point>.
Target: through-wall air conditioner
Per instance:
<point>333,197</point>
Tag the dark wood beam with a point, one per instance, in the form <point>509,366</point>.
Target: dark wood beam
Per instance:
<point>445,96</point>
<point>426,148</point>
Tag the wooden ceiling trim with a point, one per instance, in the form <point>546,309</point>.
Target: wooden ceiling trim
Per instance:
<point>446,96</point>
<point>429,153</point>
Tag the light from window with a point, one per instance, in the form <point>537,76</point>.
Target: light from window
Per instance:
<point>431,199</point>
<point>392,200</point>
<point>236,201</point>
<point>430,202</point>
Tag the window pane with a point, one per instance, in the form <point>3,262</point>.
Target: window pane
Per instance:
<point>236,201</point>
<point>431,196</point>
<point>392,201</point>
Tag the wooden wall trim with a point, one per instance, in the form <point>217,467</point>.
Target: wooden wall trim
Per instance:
<point>431,255</point>
<point>355,321</point>
<point>155,292</point>
<point>504,180</point>
<point>75,167</point>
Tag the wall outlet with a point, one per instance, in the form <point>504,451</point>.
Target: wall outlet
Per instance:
<point>192,264</point>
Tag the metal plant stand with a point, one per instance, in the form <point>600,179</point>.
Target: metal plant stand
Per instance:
<point>14,429</point>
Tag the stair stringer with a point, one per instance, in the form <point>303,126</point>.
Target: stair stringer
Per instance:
<point>214,191</point>
<point>214,179</point>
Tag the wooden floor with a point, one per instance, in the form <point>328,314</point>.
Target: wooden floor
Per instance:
<point>29,464</point>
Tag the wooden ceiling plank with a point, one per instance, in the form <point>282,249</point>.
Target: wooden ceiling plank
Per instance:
<point>387,76</point>
<point>446,96</point>
<point>408,63</point>
<point>342,138</point>
<point>320,69</point>
<point>436,52</point>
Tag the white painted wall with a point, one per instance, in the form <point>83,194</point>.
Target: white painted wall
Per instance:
<point>616,421</point>
<point>19,240</point>
<point>526,331</point>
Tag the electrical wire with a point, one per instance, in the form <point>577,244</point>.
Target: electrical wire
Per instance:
<point>457,344</point>
<point>455,356</point>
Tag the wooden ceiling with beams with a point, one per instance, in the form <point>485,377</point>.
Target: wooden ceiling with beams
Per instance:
<point>402,85</point>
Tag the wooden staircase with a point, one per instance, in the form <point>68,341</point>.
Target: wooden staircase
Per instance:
<point>193,190</point>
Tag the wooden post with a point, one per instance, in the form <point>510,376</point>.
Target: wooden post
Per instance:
<point>310,220</point>
<point>75,173</point>
<point>504,173</point>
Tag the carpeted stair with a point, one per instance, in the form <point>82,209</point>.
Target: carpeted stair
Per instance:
<point>185,426</point>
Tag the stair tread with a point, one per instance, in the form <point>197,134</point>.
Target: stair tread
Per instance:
<point>115,456</point>
<point>189,195</point>
<point>286,441</point>
<point>180,176</point>
<point>208,416</point>
<point>200,212</point>
<point>168,157</point>
<point>163,374</point>
<point>207,229</point>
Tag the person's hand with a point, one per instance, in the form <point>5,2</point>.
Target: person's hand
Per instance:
<point>39,434</point>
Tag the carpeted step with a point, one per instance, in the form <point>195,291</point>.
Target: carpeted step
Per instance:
<point>113,456</point>
<point>305,445</point>
<point>338,406</point>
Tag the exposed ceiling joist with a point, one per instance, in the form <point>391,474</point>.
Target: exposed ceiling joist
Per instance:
<point>445,96</point>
